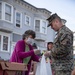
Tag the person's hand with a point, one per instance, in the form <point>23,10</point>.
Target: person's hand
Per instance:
<point>47,53</point>
<point>37,52</point>
<point>39,59</point>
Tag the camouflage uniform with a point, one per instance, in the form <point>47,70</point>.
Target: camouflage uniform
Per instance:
<point>62,52</point>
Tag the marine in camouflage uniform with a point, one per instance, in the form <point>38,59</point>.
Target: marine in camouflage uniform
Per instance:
<point>62,51</point>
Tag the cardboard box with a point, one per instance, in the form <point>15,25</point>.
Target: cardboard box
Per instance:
<point>10,68</point>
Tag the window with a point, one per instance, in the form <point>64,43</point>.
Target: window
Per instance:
<point>37,25</point>
<point>8,12</point>
<point>0,10</point>
<point>40,26</point>
<point>44,27</point>
<point>4,42</point>
<point>18,19</point>
<point>27,20</point>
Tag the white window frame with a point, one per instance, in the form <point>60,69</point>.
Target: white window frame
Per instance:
<point>3,14</point>
<point>42,26</point>
<point>29,20</point>
<point>41,20</point>
<point>34,24</point>
<point>7,35</point>
<point>20,18</point>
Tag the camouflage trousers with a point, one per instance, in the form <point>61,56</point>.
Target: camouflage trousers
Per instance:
<point>61,72</point>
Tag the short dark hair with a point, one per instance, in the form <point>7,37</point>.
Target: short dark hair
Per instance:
<point>51,43</point>
<point>34,46</point>
<point>27,33</point>
<point>24,36</point>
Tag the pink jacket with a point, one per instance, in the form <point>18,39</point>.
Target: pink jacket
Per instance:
<point>19,54</point>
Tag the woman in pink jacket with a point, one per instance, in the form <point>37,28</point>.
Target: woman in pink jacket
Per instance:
<point>23,51</point>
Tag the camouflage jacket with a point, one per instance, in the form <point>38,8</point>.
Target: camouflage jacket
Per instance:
<point>62,52</point>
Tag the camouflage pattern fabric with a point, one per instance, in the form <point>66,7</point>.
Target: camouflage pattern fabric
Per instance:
<point>62,51</point>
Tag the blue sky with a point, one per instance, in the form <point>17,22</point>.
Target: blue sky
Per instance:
<point>64,8</point>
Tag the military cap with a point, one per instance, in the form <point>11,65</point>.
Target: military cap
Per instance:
<point>51,18</point>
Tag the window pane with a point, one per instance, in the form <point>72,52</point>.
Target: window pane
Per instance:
<point>8,12</point>
<point>8,9</point>
<point>44,27</point>
<point>37,25</point>
<point>5,43</point>
<point>0,9</point>
<point>8,17</point>
<point>5,47</point>
<point>44,24</point>
<point>17,21</point>
<point>27,20</point>
<point>43,30</point>
<point>0,42</point>
<point>18,16</point>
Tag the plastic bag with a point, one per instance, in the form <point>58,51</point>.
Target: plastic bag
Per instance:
<point>48,66</point>
<point>43,68</point>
